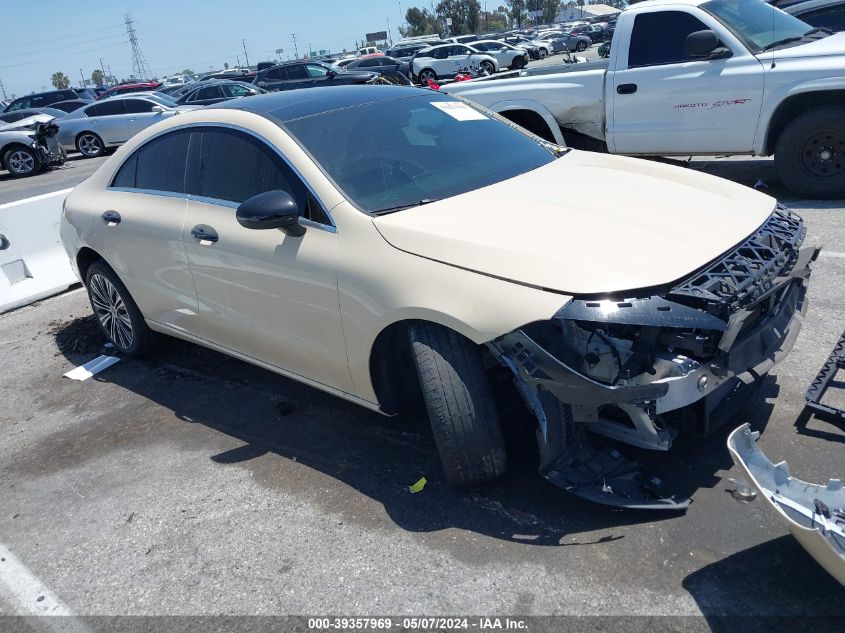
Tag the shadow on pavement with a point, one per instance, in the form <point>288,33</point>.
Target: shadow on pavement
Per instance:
<point>377,456</point>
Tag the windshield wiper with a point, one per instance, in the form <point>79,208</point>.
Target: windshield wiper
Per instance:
<point>798,38</point>
<point>402,207</point>
<point>786,40</point>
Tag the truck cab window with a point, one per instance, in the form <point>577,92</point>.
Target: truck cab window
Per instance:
<point>660,38</point>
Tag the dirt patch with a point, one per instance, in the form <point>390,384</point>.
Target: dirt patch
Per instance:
<point>80,336</point>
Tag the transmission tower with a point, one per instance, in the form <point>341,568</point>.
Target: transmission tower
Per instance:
<point>139,64</point>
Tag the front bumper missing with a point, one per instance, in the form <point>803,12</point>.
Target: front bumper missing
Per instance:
<point>566,402</point>
<point>814,514</point>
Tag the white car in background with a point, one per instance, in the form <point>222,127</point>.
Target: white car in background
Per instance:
<point>447,60</point>
<point>103,124</point>
<point>506,55</point>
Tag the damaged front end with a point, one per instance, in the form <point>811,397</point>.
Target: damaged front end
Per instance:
<point>641,368</point>
<point>814,514</point>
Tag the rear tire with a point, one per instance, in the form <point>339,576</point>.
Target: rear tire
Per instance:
<point>810,153</point>
<point>460,405</point>
<point>90,145</point>
<point>22,161</point>
<point>581,47</point>
<point>518,62</point>
<point>117,313</point>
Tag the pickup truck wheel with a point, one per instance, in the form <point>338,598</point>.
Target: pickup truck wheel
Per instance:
<point>427,74</point>
<point>118,314</point>
<point>810,153</point>
<point>581,47</point>
<point>460,406</point>
<point>22,161</point>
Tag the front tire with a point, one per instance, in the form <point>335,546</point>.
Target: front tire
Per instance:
<point>519,62</point>
<point>460,405</point>
<point>90,145</point>
<point>117,313</point>
<point>22,161</point>
<point>543,53</point>
<point>488,67</point>
<point>427,74</point>
<point>581,47</point>
<point>810,153</point>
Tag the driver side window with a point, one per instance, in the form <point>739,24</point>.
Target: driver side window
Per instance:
<point>660,38</point>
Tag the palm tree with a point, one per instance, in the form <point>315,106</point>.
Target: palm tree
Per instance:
<point>60,80</point>
<point>97,77</point>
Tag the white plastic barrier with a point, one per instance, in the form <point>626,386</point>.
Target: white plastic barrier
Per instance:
<point>33,263</point>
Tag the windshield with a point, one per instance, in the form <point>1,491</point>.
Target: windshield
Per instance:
<point>403,152</point>
<point>760,26</point>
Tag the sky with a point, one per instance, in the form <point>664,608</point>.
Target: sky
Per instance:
<point>40,38</point>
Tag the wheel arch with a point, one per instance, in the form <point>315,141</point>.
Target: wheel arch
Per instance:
<point>392,373</point>
<point>533,117</point>
<point>792,106</point>
<point>84,258</point>
<point>9,147</point>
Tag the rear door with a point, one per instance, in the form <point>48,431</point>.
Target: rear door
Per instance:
<point>109,120</point>
<point>262,293</point>
<point>664,101</point>
<point>297,77</point>
<point>140,231</point>
<point>206,95</point>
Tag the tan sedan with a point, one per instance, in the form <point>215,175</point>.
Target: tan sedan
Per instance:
<point>372,241</point>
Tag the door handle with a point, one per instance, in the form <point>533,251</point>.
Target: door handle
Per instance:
<point>111,218</point>
<point>204,234</point>
<point>626,89</point>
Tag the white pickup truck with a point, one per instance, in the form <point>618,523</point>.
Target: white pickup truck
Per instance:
<point>695,77</point>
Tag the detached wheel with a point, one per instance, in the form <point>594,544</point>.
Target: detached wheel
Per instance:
<point>90,145</point>
<point>459,403</point>
<point>581,47</point>
<point>22,161</point>
<point>117,313</point>
<point>427,74</point>
<point>810,153</point>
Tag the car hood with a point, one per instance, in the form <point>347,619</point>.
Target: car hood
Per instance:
<point>829,46</point>
<point>585,223</point>
<point>25,123</point>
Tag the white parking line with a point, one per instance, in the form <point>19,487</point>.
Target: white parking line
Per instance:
<point>833,254</point>
<point>31,597</point>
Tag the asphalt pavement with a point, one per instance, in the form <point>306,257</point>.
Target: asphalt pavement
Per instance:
<point>192,483</point>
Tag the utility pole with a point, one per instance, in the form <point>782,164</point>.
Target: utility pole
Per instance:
<point>243,41</point>
<point>82,74</point>
<point>139,63</point>
<point>295,49</point>
<point>3,89</point>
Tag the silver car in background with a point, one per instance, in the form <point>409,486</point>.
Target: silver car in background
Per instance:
<point>112,122</point>
<point>506,55</point>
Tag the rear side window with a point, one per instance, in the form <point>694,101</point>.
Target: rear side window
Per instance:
<point>157,166</point>
<point>831,18</point>
<point>209,92</point>
<point>277,74</point>
<point>235,166</point>
<point>106,108</point>
<point>297,72</point>
<point>660,38</point>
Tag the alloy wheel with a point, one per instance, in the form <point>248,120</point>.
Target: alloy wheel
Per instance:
<point>111,311</point>
<point>21,162</point>
<point>90,145</point>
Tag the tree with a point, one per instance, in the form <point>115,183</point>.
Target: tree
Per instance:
<point>60,80</point>
<point>419,22</point>
<point>551,9</point>
<point>187,71</point>
<point>494,20</point>
<point>517,11</point>
<point>97,77</point>
<point>465,15</point>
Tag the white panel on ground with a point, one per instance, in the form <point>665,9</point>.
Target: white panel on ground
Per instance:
<point>33,263</point>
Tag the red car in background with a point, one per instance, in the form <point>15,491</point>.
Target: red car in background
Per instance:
<point>126,88</point>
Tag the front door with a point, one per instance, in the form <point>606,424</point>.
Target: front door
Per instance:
<point>263,293</point>
<point>663,101</point>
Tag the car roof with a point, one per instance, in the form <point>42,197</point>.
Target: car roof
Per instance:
<point>288,105</point>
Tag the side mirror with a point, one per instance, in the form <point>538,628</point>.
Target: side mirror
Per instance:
<point>271,210</point>
<point>705,45</point>
<point>158,108</point>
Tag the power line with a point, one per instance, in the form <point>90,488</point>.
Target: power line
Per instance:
<point>64,58</point>
<point>139,64</point>
<point>65,46</point>
<point>74,36</point>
